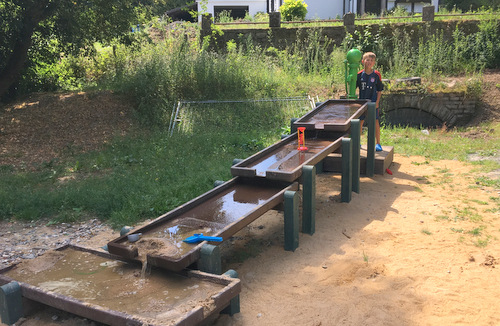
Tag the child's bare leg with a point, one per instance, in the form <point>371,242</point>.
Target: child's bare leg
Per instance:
<point>377,131</point>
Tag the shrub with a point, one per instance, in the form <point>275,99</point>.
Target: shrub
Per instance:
<point>293,9</point>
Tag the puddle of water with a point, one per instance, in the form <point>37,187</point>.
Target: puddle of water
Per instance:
<point>114,285</point>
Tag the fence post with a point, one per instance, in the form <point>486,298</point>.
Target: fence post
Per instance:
<point>428,14</point>
<point>291,203</point>
<point>210,259</point>
<point>11,303</point>
<point>234,304</point>
<point>206,26</point>
<point>355,139</point>
<point>370,151</point>
<point>308,199</point>
<point>275,19</point>
<point>346,179</point>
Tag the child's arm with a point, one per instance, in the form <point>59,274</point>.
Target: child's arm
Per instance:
<point>379,95</point>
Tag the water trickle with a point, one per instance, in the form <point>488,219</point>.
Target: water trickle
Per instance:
<point>144,269</point>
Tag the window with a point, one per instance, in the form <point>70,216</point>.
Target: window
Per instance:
<point>235,11</point>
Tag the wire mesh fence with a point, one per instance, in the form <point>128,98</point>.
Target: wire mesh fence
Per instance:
<point>237,116</point>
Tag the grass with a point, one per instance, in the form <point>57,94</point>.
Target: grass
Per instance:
<point>365,257</point>
<point>133,179</point>
<point>481,243</point>
<point>426,232</point>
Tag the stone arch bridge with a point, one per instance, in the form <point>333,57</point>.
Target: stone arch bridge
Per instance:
<point>428,110</point>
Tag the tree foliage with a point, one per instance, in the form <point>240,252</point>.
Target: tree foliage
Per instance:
<point>467,5</point>
<point>39,31</point>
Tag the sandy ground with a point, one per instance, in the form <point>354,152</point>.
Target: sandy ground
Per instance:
<point>401,252</point>
<point>419,247</point>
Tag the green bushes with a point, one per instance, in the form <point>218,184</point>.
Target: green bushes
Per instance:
<point>398,56</point>
<point>167,72</point>
<point>293,10</point>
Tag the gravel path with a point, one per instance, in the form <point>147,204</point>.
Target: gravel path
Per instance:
<point>27,240</point>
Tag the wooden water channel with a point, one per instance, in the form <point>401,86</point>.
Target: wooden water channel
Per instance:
<point>107,287</point>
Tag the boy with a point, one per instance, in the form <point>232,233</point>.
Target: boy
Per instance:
<point>370,86</point>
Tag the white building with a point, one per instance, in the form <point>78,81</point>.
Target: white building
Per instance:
<point>316,9</point>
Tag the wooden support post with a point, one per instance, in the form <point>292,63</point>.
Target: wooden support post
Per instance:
<point>370,155</point>
<point>291,220</point>
<point>11,303</point>
<point>210,259</point>
<point>308,199</point>
<point>234,304</point>
<point>356,143</point>
<point>428,13</point>
<point>275,19</point>
<point>346,182</point>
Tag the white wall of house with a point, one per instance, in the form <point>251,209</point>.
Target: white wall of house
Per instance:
<point>316,9</point>
<point>321,9</point>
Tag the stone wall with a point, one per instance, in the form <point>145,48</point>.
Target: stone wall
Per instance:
<point>430,110</point>
<point>281,37</point>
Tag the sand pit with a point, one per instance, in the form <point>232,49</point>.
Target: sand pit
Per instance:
<point>419,247</point>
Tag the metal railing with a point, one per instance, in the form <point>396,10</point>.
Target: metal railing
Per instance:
<point>235,115</point>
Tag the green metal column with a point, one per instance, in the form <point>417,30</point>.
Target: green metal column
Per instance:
<point>356,143</point>
<point>234,304</point>
<point>292,126</point>
<point>210,259</point>
<point>11,303</point>
<point>308,199</point>
<point>346,183</point>
<point>319,167</point>
<point>370,156</point>
<point>291,220</point>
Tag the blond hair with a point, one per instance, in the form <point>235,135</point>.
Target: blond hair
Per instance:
<point>369,55</point>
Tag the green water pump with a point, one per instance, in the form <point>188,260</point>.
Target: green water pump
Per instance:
<point>352,62</point>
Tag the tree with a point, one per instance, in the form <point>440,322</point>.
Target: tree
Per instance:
<point>71,24</point>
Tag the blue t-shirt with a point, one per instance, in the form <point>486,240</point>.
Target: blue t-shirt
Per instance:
<point>369,85</point>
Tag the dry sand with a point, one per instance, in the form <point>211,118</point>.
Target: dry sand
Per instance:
<point>402,252</point>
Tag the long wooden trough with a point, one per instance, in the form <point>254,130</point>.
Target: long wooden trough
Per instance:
<point>282,161</point>
<point>325,127</point>
<point>220,212</point>
<point>111,290</point>
<point>333,115</point>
